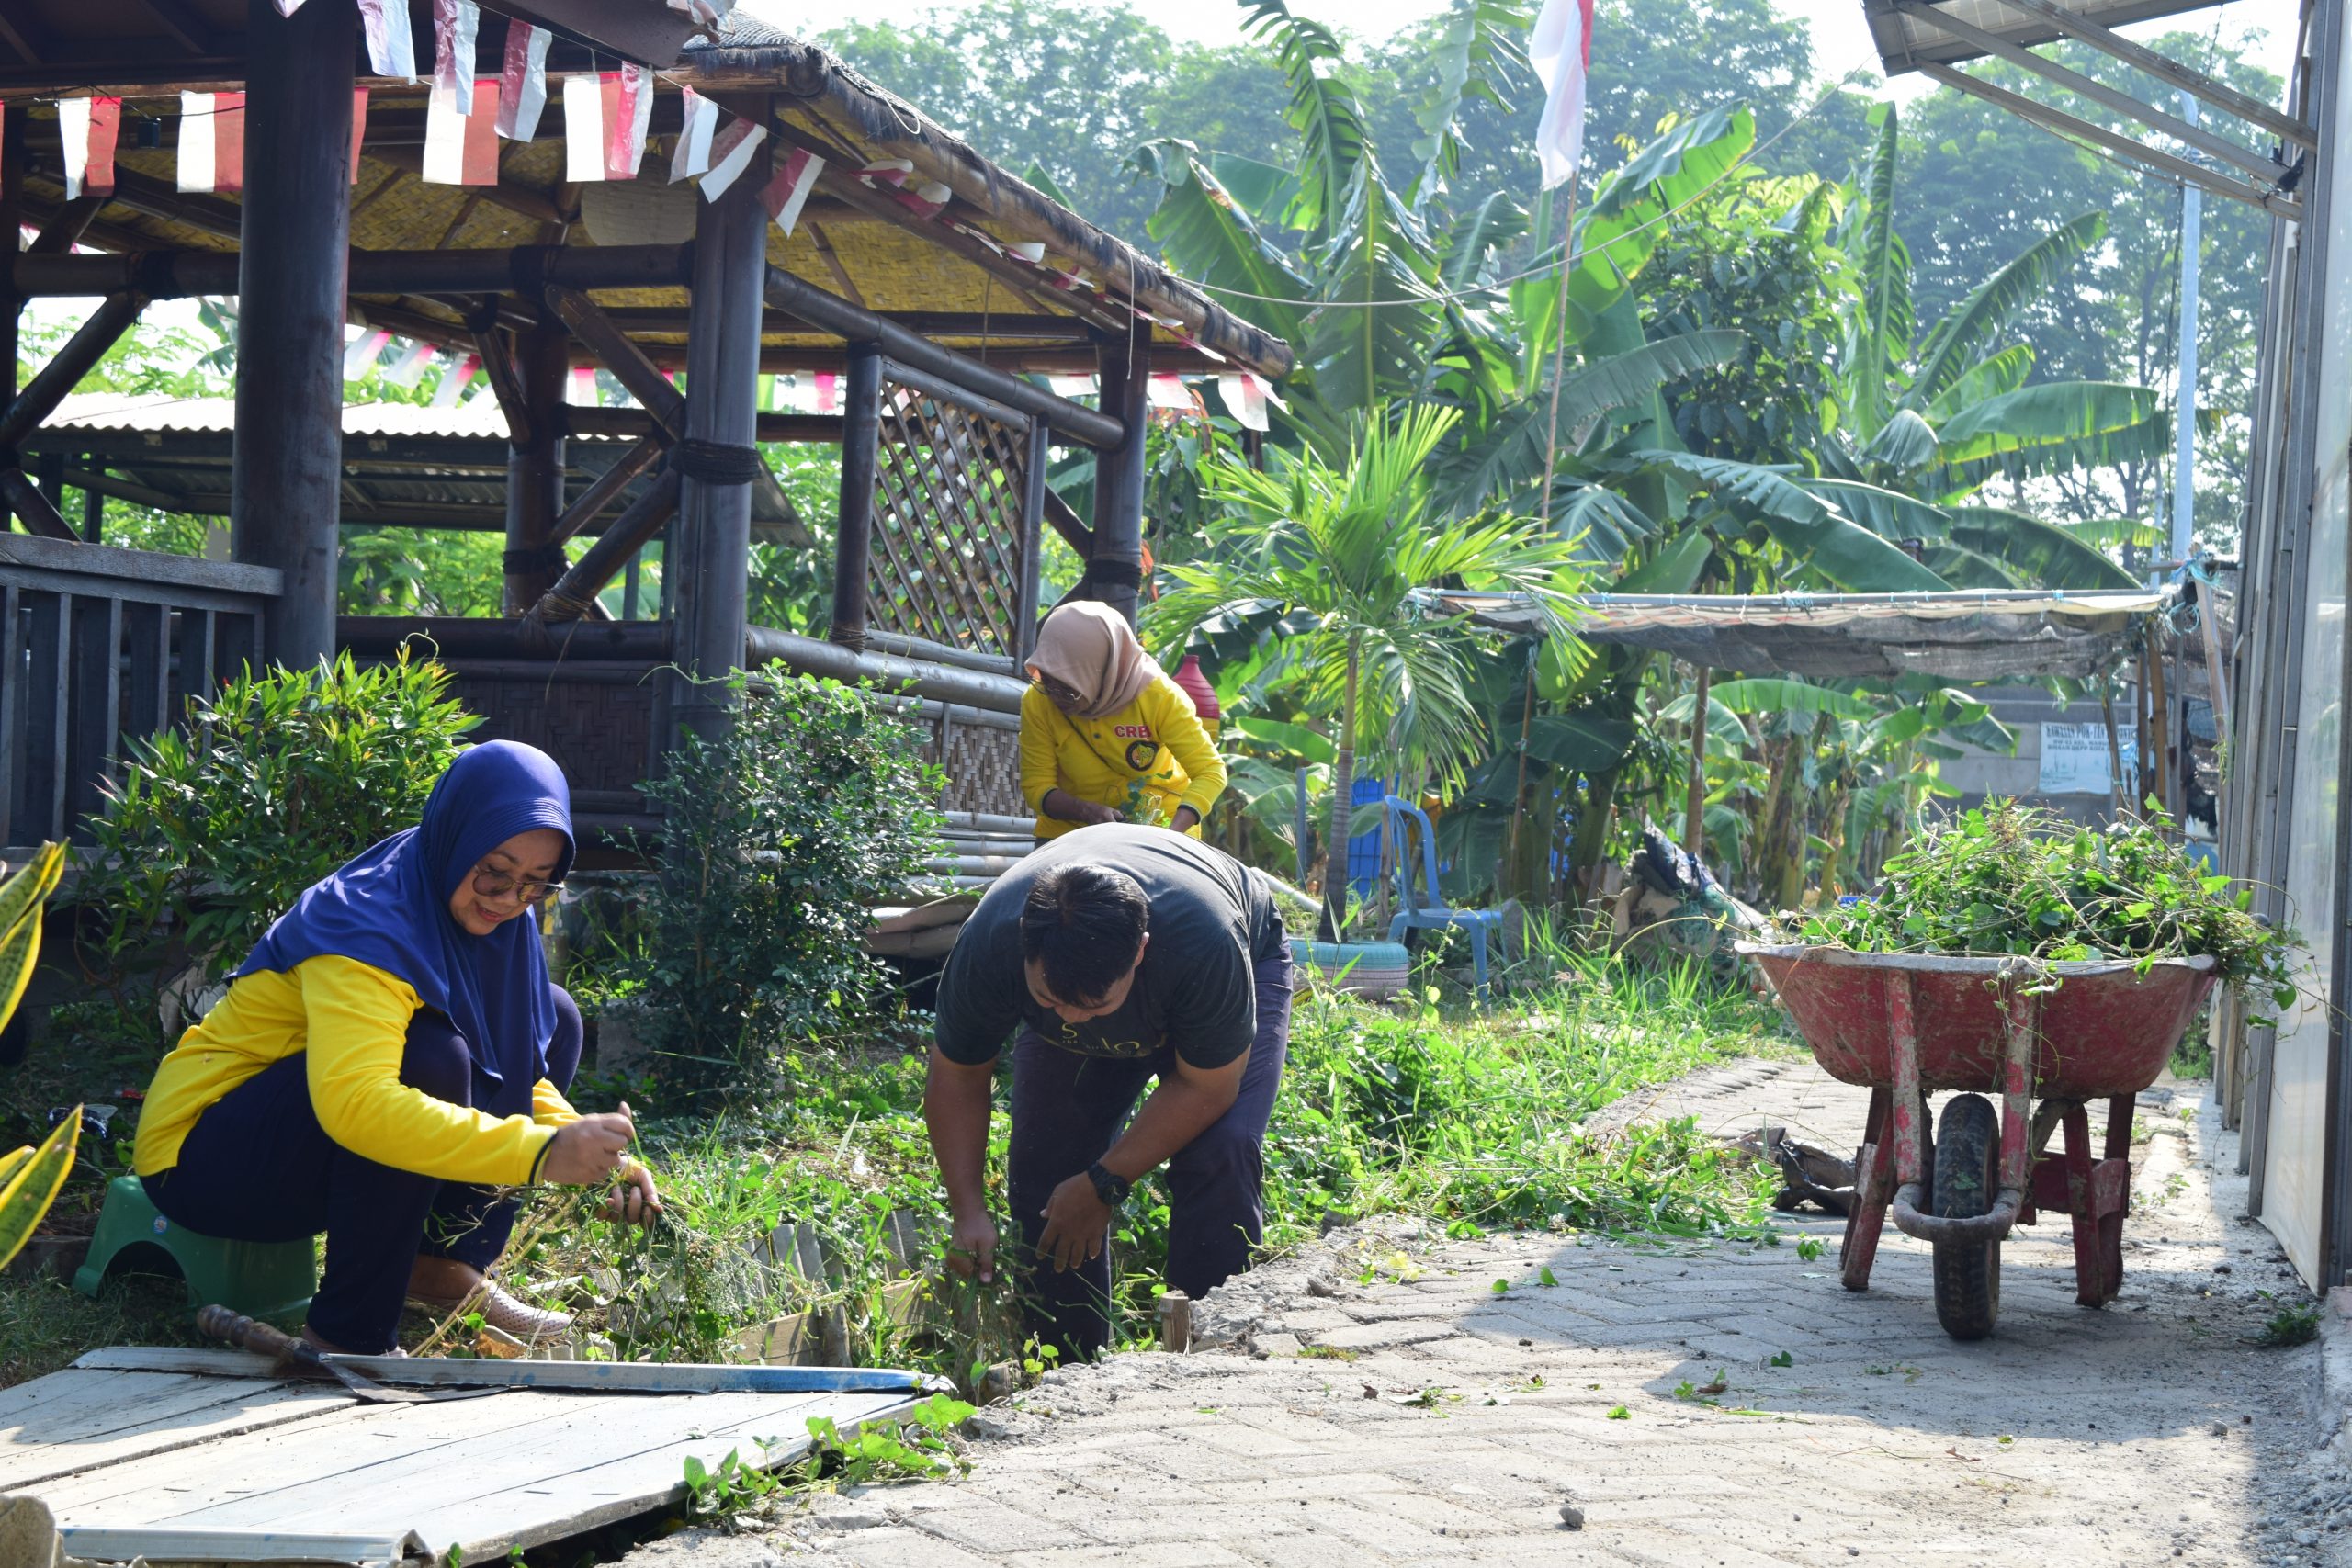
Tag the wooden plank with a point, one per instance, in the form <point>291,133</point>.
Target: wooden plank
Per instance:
<point>137,566</point>
<point>12,702</point>
<point>125,1418</point>
<point>240,1546</point>
<point>592,1377</point>
<point>40,806</point>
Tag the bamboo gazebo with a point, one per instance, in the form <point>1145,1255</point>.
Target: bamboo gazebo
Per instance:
<point>857,241</point>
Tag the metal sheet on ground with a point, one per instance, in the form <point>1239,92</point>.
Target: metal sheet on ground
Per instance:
<point>215,1447</point>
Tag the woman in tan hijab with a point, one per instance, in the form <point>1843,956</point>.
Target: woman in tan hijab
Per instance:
<point>1105,735</point>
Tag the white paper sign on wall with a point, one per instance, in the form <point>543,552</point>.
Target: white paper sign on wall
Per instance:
<point>2073,760</point>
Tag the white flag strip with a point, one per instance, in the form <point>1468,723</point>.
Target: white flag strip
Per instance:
<point>453,381</point>
<point>584,128</point>
<point>456,25</point>
<point>1561,52</point>
<point>1244,401</point>
<point>1031,250</point>
<point>788,193</point>
<point>86,129</point>
<point>361,355</point>
<point>583,388</point>
<point>523,82</point>
<point>391,49</point>
<point>213,142</point>
<point>410,368</point>
<point>691,156</point>
<point>730,153</point>
<point>287,7</point>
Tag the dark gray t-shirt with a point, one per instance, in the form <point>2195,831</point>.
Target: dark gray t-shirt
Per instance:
<point>1211,918</point>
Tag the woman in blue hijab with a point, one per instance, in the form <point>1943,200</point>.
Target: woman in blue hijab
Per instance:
<point>390,1058</point>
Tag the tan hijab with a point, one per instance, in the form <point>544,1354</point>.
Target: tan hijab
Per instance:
<point>1091,648</point>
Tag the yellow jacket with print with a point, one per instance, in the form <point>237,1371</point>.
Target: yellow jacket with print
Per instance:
<point>351,1020</point>
<point>1156,739</point>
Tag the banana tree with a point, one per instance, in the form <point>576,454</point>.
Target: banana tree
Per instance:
<point>1343,552</point>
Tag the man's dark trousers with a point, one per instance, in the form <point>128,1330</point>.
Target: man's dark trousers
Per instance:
<point>1068,1108</point>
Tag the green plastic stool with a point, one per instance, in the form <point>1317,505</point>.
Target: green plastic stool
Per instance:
<point>271,1281</point>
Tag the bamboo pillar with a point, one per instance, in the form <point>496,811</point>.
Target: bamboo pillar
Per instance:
<point>1694,826</point>
<point>12,211</point>
<point>714,522</point>
<point>2160,735</point>
<point>286,469</point>
<point>1115,572</point>
<point>535,468</point>
<point>861,450</point>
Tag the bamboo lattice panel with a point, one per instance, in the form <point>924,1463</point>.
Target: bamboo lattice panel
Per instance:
<point>948,536</point>
<point>983,767</point>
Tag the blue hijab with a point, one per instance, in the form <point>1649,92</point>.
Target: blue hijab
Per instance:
<point>389,909</point>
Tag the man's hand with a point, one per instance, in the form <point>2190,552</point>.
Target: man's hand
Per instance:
<point>587,1151</point>
<point>1064,807</point>
<point>972,1247</point>
<point>1185,820</point>
<point>1076,1219</point>
<point>633,1201</point>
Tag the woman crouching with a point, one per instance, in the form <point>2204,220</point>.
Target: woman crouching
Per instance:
<point>392,1056</point>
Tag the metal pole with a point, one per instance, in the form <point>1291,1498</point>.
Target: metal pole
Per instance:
<point>2184,472</point>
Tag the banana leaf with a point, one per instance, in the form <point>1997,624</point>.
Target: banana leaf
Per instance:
<point>2038,554</point>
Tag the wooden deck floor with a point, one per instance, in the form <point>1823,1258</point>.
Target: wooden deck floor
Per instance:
<point>208,1441</point>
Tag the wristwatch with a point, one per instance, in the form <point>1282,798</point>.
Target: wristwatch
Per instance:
<point>1111,1190</point>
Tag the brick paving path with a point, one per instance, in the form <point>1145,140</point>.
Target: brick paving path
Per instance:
<point>2148,1432</point>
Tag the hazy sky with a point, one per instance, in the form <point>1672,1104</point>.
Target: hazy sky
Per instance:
<point>1840,41</point>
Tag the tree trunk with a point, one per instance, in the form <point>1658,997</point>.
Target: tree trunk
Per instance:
<point>1694,826</point>
<point>1343,788</point>
<point>1590,839</point>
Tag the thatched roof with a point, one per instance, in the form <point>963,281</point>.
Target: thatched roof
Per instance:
<point>946,275</point>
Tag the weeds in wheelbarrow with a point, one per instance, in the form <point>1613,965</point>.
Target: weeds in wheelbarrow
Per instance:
<point>2011,879</point>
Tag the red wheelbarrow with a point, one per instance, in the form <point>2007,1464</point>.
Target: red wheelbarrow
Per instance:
<point>2046,1037</point>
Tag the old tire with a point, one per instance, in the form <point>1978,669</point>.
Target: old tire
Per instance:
<point>1967,1179</point>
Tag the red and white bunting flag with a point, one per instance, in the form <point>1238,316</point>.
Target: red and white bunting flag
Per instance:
<point>523,84</point>
<point>730,155</point>
<point>1245,399</point>
<point>629,115</point>
<point>361,355</point>
<point>1561,52</point>
<point>461,149</point>
<point>87,128</point>
<point>391,48</point>
<point>584,386</point>
<point>1031,250</point>
<point>828,393</point>
<point>287,7</point>
<point>454,380</point>
<point>213,142</point>
<point>584,128</point>
<point>691,156</point>
<point>410,368</point>
<point>1167,390</point>
<point>788,193</point>
<point>456,23</point>
<point>1072,386</point>
<point>358,128</point>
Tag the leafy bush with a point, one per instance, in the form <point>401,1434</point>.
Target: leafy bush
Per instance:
<point>215,828</point>
<point>2008,878</point>
<point>778,838</point>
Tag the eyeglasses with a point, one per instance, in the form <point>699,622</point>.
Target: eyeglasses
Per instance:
<point>491,883</point>
<point>1061,694</point>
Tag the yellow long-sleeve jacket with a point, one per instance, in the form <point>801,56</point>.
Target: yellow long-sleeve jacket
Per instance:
<point>1156,739</point>
<point>351,1019</point>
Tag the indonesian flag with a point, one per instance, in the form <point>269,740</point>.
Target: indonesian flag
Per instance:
<point>456,26</point>
<point>629,113</point>
<point>87,128</point>
<point>213,142</point>
<point>691,156</point>
<point>410,368</point>
<point>461,149</point>
<point>453,381</point>
<point>788,193</point>
<point>583,388</point>
<point>1245,398</point>
<point>523,84</point>
<point>391,49</point>
<point>730,155</point>
<point>1561,52</point>
<point>361,356</point>
<point>358,128</point>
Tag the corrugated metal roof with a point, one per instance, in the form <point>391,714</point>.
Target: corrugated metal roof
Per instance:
<point>144,413</point>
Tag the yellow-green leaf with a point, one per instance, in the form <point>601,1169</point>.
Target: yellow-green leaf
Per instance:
<point>34,881</point>
<point>11,1164</point>
<point>20,951</point>
<point>33,1189</point>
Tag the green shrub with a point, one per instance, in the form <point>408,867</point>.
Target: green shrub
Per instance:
<point>215,828</point>
<point>777,839</point>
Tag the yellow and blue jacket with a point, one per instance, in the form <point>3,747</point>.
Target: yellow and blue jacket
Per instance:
<point>1157,740</point>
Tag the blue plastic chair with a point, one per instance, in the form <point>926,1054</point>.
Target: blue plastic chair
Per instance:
<point>1427,910</point>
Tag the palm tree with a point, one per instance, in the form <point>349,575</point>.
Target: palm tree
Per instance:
<point>1345,554</point>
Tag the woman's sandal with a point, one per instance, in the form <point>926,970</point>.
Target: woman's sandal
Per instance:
<point>501,1311</point>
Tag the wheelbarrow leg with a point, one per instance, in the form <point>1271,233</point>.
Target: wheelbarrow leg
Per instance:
<point>2097,1194</point>
<point>1873,1185</point>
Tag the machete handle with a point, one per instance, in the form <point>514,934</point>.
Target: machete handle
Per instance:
<point>236,1328</point>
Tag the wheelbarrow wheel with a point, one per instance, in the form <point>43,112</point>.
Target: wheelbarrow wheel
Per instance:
<point>1967,1179</point>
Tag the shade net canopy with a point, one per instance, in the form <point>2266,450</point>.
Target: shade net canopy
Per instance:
<point>1904,42</point>
<point>1976,635</point>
